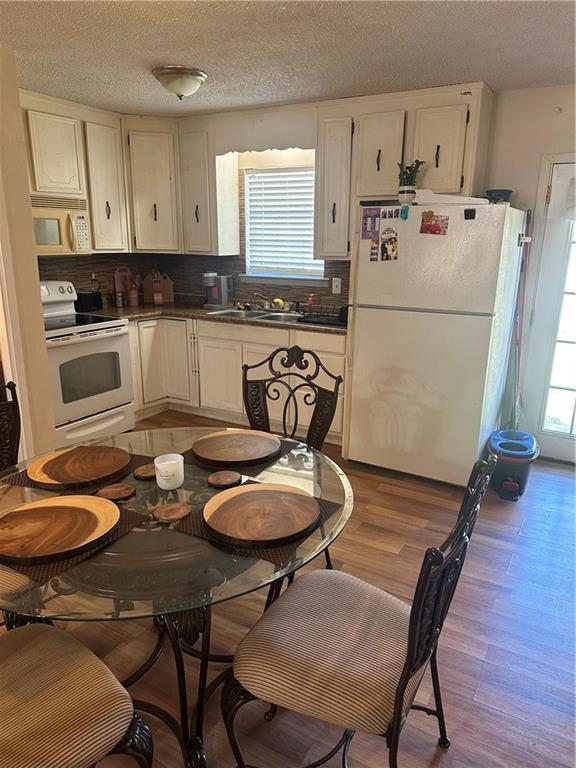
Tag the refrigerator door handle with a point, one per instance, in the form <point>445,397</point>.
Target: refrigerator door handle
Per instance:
<point>333,213</point>
<point>437,156</point>
<point>378,156</point>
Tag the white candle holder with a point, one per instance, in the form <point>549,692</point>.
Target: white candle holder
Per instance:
<point>169,470</point>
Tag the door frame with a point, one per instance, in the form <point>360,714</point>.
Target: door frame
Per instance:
<point>547,164</point>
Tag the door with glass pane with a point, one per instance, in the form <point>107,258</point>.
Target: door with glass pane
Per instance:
<point>549,392</point>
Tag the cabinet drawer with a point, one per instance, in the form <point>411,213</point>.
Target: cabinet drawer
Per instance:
<point>247,333</point>
<point>319,342</point>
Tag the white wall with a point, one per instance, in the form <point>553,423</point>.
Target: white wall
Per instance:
<point>527,124</point>
<point>25,356</point>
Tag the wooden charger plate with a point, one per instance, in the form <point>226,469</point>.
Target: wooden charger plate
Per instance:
<point>52,528</point>
<point>236,447</point>
<point>81,466</point>
<point>266,514</point>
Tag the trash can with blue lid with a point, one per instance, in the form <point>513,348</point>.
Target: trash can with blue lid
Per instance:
<point>516,452</point>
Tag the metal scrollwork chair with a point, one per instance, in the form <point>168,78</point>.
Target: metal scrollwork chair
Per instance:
<point>335,648</point>
<point>296,379</point>
<point>61,707</point>
<point>9,426</point>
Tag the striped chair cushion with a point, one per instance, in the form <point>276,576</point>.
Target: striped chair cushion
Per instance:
<point>331,647</point>
<point>60,706</point>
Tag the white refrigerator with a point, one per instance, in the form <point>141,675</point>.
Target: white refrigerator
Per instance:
<point>433,306</point>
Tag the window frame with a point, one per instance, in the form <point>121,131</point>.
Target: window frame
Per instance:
<point>297,273</point>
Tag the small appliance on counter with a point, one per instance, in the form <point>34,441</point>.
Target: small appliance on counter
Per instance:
<point>219,290</point>
<point>89,301</point>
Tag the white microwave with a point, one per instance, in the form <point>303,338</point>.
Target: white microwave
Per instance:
<point>59,232</point>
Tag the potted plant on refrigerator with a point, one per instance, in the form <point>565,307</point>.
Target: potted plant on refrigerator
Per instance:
<point>407,178</point>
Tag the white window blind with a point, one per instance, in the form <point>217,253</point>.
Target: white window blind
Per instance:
<point>279,212</point>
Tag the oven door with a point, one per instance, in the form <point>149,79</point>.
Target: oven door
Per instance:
<point>90,373</point>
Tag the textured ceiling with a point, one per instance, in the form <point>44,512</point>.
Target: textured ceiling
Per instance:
<point>258,53</point>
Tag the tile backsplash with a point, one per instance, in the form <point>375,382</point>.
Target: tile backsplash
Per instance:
<point>186,272</point>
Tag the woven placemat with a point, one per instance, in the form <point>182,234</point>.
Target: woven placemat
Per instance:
<point>253,470</point>
<point>21,479</point>
<point>45,571</point>
<point>280,556</point>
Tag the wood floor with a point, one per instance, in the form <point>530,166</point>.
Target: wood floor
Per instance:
<point>506,655</point>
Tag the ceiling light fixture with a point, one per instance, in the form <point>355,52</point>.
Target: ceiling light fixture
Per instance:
<point>181,81</point>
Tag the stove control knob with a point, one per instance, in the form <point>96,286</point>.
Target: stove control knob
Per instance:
<point>61,289</point>
<point>69,289</point>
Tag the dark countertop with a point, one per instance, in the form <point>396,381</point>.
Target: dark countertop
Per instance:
<point>148,311</point>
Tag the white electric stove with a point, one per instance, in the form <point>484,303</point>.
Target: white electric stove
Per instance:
<point>90,369</point>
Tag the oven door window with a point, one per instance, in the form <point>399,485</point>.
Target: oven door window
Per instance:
<point>90,375</point>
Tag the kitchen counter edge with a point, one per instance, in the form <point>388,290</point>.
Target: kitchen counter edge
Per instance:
<point>198,313</point>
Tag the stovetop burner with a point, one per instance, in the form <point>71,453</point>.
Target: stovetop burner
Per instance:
<point>64,322</point>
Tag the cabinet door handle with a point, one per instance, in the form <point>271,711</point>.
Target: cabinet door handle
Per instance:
<point>333,213</point>
<point>437,156</point>
<point>196,214</point>
<point>378,156</point>
<point>155,212</point>
<point>108,209</point>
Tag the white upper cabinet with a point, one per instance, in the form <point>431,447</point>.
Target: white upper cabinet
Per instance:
<point>56,149</point>
<point>153,190</point>
<point>380,144</point>
<point>332,206</point>
<point>195,192</point>
<point>107,198</point>
<point>439,140</point>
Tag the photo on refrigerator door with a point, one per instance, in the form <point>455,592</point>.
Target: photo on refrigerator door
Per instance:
<point>433,224</point>
<point>370,223</point>
<point>389,245</point>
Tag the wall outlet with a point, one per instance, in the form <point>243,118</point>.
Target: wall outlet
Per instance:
<point>336,285</point>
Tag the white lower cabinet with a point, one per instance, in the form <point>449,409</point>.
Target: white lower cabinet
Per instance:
<point>331,349</point>
<point>220,365</point>
<point>136,365</point>
<point>223,348</point>
<point>151,360</point>
<point>253,354</point>
<point>176,369</point>
<point>164,369</point>
<point>199,363</point>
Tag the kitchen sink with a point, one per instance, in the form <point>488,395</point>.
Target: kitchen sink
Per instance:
<point>240,314</point>
<point>280,317</point>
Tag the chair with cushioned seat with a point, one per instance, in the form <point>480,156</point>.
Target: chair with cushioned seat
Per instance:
<point>335,648</point>
<point>61,707</point>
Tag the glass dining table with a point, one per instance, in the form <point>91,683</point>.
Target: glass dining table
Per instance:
<point>168,572</point>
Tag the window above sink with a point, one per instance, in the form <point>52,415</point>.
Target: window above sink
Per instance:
<point>277,209</point>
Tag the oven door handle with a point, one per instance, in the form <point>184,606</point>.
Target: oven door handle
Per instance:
<point>82,338</point>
